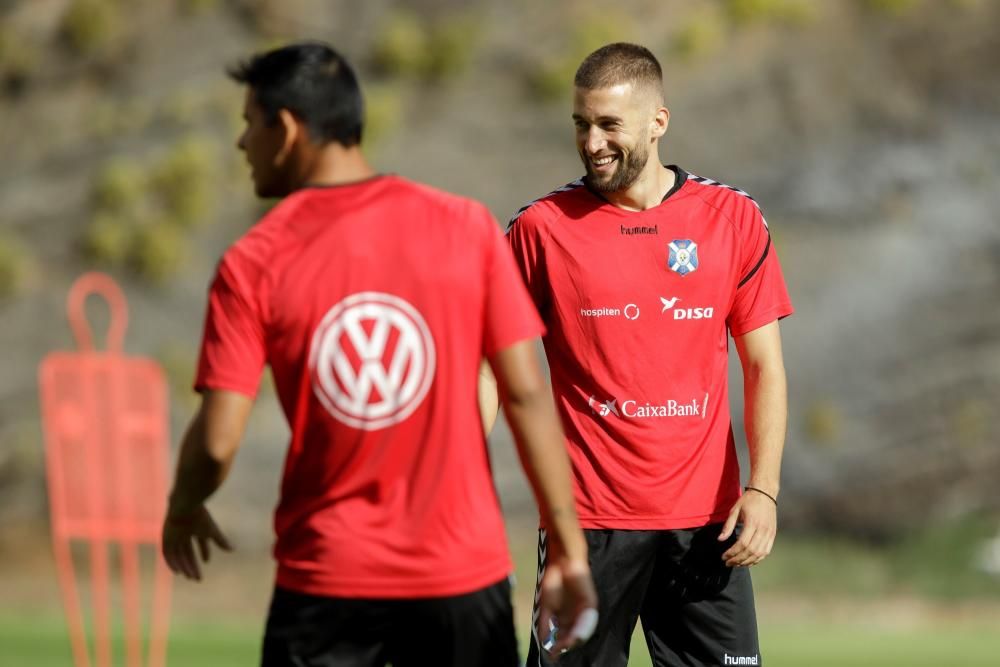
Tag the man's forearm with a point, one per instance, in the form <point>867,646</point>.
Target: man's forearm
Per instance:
<point>535,426</point>
<point>489,401</point>
<point>208,449</point>
<point>766,414</point>
<point>203,464</point>
<point>199,475</point>
<point>534,423</point>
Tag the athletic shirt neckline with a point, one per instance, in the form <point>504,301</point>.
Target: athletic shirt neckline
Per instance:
<point>679,181</point>
<point>347,184</point>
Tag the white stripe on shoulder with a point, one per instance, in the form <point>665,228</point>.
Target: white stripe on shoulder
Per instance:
<point>709,181</point>
<point>569,186</point>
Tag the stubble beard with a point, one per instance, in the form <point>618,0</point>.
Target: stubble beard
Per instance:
<point>626,173</point>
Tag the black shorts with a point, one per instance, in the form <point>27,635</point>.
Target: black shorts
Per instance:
<point>694,610</point>
<point>462,630</point>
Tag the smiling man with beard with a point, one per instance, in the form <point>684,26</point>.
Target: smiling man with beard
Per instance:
<point>680,263</point>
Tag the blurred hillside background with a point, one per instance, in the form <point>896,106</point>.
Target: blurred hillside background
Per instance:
<point>867,129</point>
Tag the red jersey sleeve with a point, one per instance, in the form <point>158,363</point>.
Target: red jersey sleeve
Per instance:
<point>233,351</point>
<point>761,295</point>
<point>510,316</point>
<point>529,255</point>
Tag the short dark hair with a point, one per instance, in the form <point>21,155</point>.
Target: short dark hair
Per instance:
<point>314,82</point>
<point>619,63</point>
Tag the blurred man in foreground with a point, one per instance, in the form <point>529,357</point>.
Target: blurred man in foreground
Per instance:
<point>373,299</point>
<point>641,273</point>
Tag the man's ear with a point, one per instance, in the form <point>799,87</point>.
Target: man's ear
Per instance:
<point>660,122</point>
<point>290,130</point>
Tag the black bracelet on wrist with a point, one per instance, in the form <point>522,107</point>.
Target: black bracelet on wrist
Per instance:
<point>764,493</point>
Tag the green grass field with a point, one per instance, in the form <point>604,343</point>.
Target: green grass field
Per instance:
<point>41,642</point>
<point>821,603</point>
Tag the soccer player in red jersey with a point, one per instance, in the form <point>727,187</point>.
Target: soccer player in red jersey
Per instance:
<point>642,272</point>
<point>373,299</point>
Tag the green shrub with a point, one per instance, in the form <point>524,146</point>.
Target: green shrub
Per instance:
<point>107,239</point>
<point>102,121</point>
<point>182,107</point>
<point>823,422</point>
<point>19,58</point>
<point>767,11</point>
<point>157,251</point>
<point>383,108</point>
<point>225,105</point>
<point>889,7</point>
<point>972,423</point>
<point>451,45</point>
<point>237,170</point>
<point>401,46</point>
<point>134,116</point>
<point>13,266</point>
<point>119,187</point>
<point>408,46</point>
<point>183,182</point>
<point>109,118</point>
<point>265,16</point>
<point>701,35</point>
<point>552,79</point>
<point>179,364</point>
<point>194,7</point>
<point>596,30</point>
<point>139,213</point>
<point>93,27</point>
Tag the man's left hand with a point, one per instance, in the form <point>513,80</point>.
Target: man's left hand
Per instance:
<point>759,517</point>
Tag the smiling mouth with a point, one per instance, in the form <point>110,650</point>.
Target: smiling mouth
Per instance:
<point>603,163</point>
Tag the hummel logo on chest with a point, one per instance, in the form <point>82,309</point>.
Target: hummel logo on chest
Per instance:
<point>640,230</point>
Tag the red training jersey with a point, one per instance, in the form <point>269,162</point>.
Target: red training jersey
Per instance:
<point>374,303</point>
<point>637,306</point>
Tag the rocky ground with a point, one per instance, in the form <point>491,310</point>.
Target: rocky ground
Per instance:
<point>866,129</point>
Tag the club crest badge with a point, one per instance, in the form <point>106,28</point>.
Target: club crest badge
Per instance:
<point>683,257</point>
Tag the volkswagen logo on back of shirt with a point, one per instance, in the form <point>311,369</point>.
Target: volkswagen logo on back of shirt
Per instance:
<point>372,360</point>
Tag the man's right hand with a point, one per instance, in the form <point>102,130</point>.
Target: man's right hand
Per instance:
<point>567,596</point>
<point>180,533</point>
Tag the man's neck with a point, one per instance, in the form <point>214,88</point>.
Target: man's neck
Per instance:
<point>648,191</point>
<point>336,165</point>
